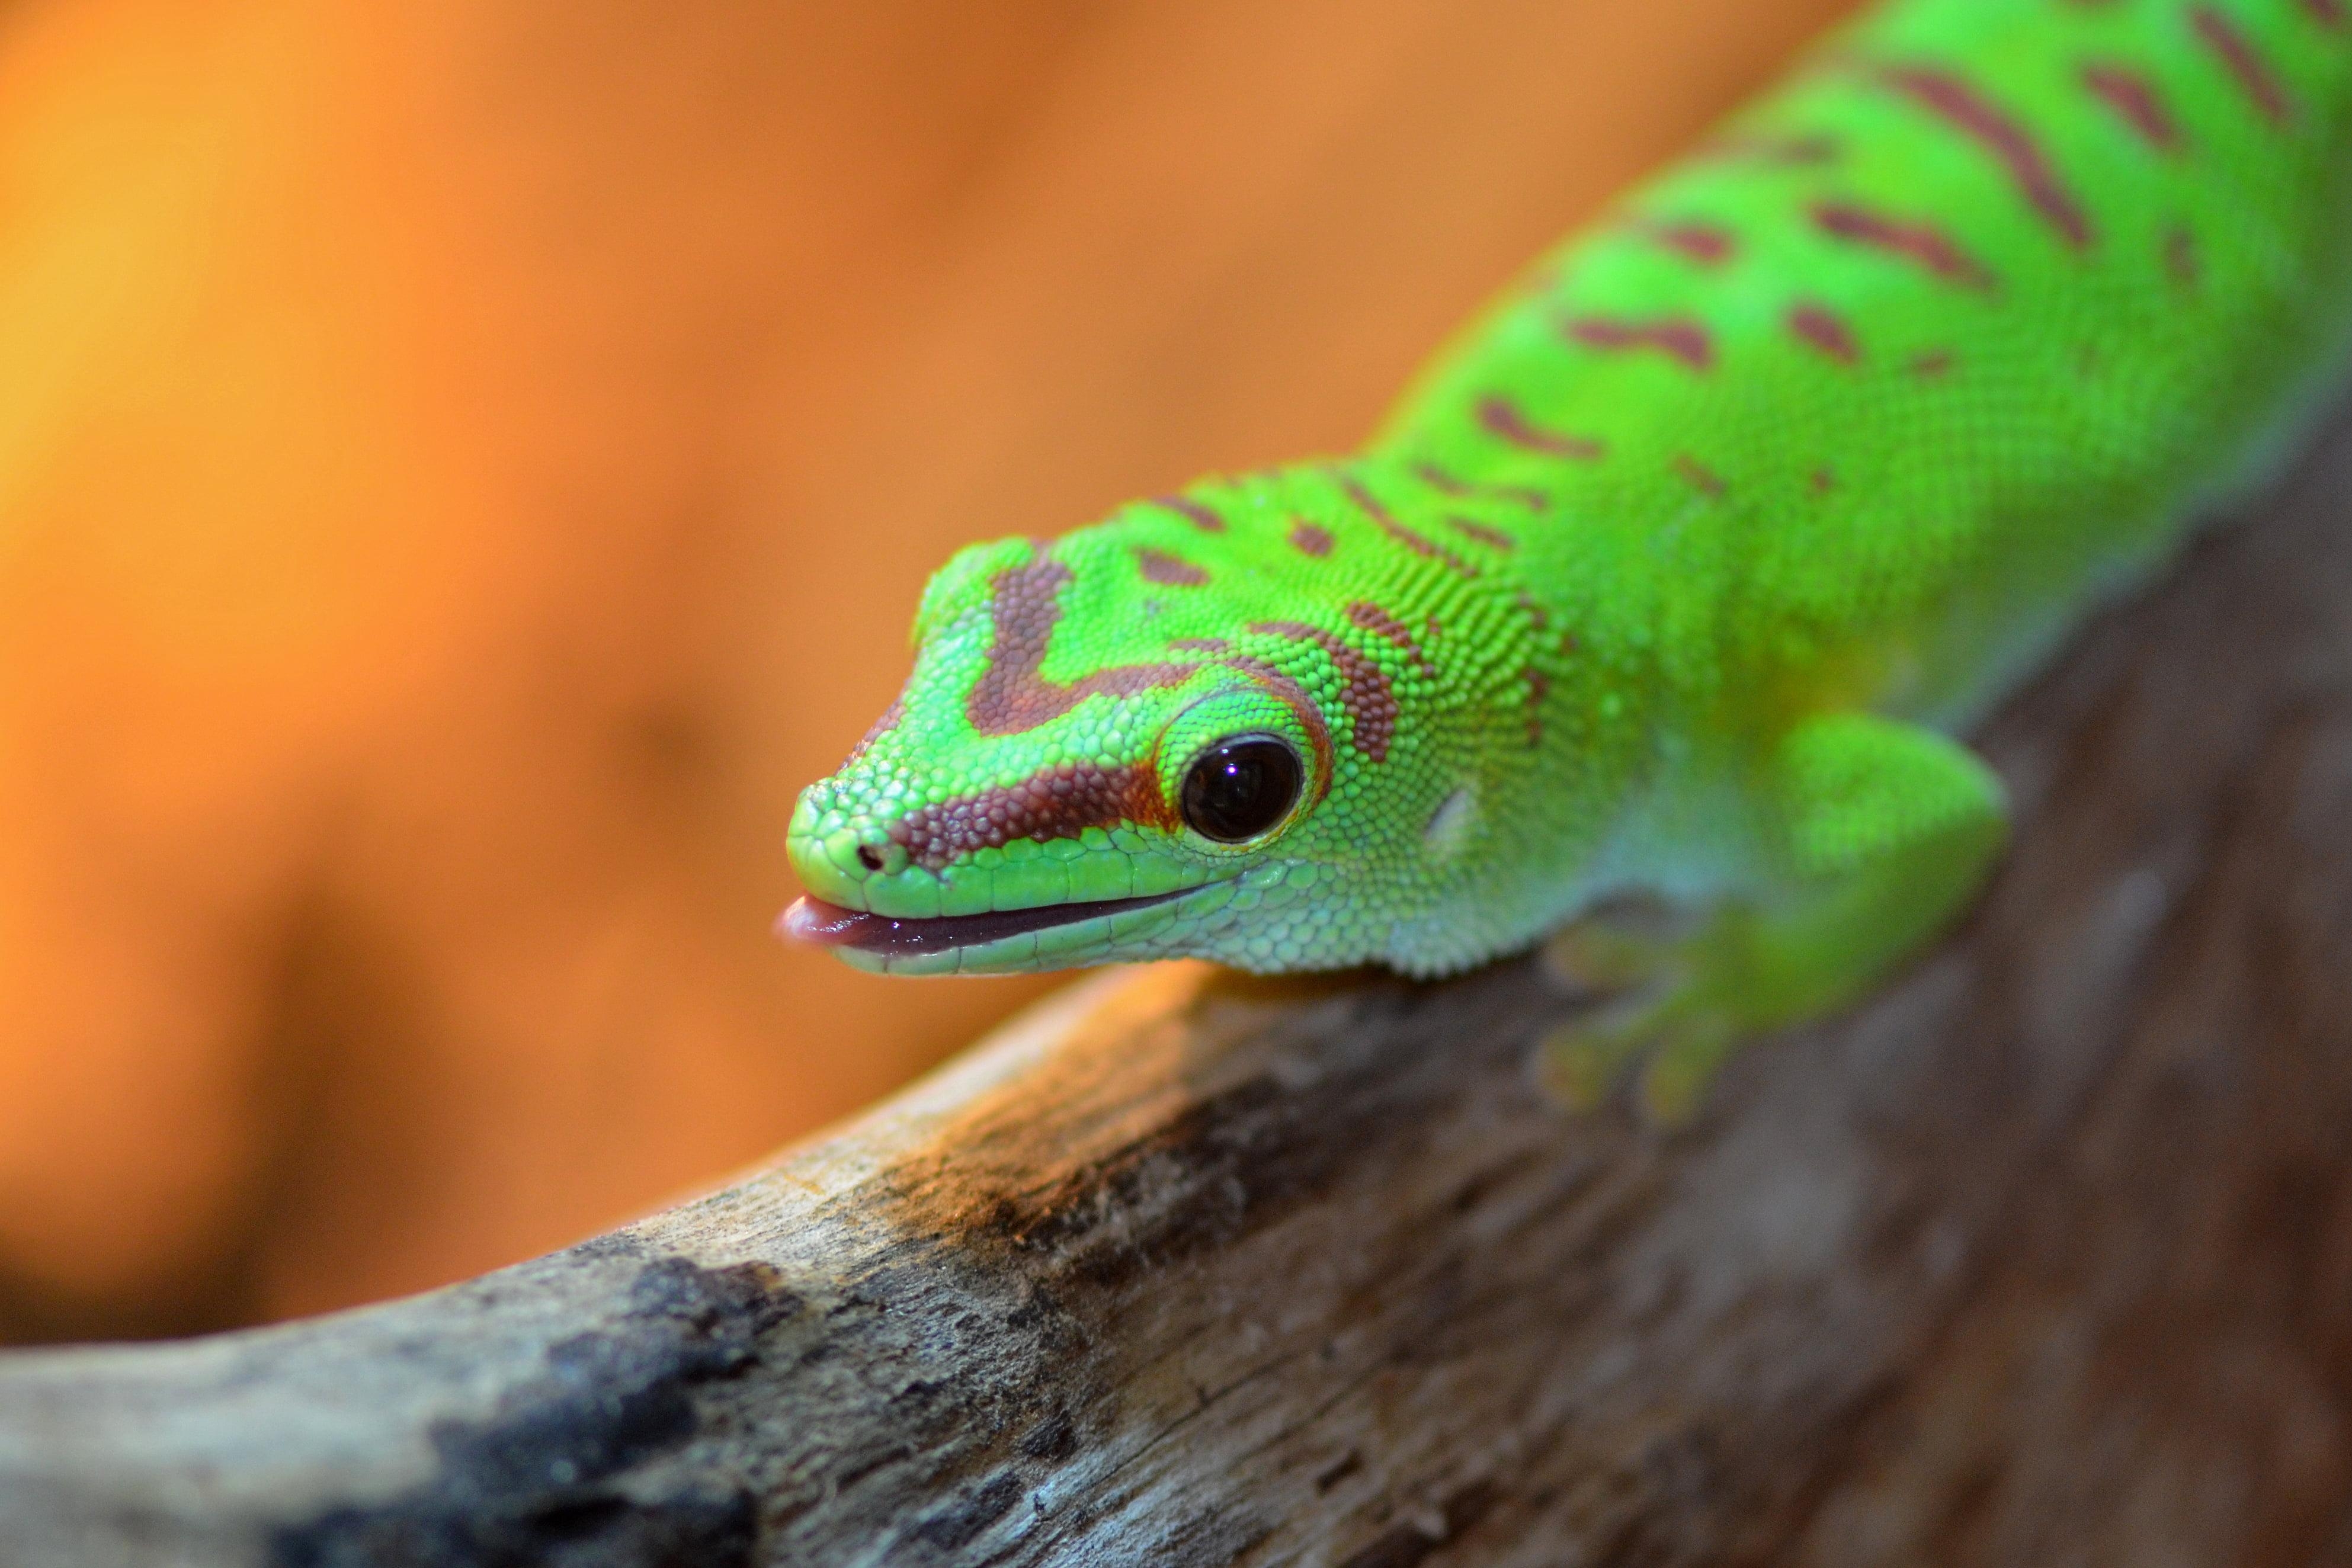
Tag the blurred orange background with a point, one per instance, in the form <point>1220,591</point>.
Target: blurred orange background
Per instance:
<point>464,463</point>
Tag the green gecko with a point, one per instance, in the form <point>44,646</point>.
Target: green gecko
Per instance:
<point>1676,576</point>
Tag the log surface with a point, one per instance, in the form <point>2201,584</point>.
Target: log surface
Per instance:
<point>2043,1256</point>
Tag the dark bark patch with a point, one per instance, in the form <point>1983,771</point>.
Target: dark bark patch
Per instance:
<point>535,1483</point>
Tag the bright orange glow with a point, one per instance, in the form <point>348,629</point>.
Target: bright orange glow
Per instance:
<point>465,462</point>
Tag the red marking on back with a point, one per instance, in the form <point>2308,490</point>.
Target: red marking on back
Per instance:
<point>1469,528</point>
<point>1200,644</point>
<point>2247,67</point>
<point>1420,544</point>
<point>1308,540</point>
<point>2135,98</point>
<point>1679,337</point>
<point>1538,686</point>
<point>1058,802</point>
<point>2328,14</point>
<point>1709,244</point>
<point>1364,689</point>
<point>1931,363</point>
<point>1159,566</point>
<point>1702,479</point>
<point>1013,694</point>
<point>1537,616</point>
<point>1380,623</point>
<point>1823,481</point>
<point>1446,484</point>
<point>2181,261</point>
<point>1192,512</point>
<point>1501,418</point>
<point>1821,328</point>
<point>1922,242</point>
<point>1959,105</point>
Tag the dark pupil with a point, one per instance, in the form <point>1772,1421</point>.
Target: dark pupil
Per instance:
<point>1238,789</point>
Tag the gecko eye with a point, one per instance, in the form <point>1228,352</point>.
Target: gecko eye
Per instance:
<point>1239,788</point>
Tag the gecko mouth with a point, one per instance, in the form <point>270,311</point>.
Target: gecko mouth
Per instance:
<point>830,925</point>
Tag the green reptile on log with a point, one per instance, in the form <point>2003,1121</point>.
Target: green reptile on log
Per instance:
<point>1676,576</point>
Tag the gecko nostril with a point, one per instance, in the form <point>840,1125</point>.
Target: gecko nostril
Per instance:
<point>870,857</point>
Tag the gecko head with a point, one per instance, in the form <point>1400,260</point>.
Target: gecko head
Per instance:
<point>1122,744</point>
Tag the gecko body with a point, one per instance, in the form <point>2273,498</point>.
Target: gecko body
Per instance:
<point>1677,575</point>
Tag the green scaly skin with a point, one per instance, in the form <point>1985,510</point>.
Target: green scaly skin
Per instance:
<point>1676,573</point>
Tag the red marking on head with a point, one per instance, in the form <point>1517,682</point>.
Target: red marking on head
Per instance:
<point>2328,14</point>
<point>1931,363</point>
<point>1959,105</point>
<point>1501,418</point>
<point>1191,511</point>
<point>1380,623</point>
<point>882,727</point>
<point>1702,479</point>
<point>1825,330</point>
<point>1922,242</point>
<point>1446,484</point>
<point>2136,98</point>
<point>1058,802</point>
<point>1709,244</point>
<point>1470,528</point>
<point>1571,643</point>
<point>1364,689</point>
<point>1823,481</point>
<point>2181,261</point>
<point>1013,694</point>
<point>1159,566</point>
<point>1679,337</point>
<point>1420,544</point>
<point>2246,66</point>
<point>1539,687</point>
<point>1537,616</point>
<point>1293,695</point>
<point>1786,152</point>
<point>1308,540</point>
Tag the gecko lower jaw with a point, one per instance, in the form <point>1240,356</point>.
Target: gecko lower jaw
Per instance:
<point>812,919</point>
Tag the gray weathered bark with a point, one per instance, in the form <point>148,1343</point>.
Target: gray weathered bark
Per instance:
<point>2044,1256</point>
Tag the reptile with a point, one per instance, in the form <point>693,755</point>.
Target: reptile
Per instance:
<point>1677,579</point>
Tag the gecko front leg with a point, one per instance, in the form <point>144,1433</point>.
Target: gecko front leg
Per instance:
<point>1882,833</point>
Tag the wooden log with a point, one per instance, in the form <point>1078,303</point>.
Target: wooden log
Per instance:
<point>2044,1256</point>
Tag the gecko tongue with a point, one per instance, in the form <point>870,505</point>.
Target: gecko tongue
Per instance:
<point>831,925</point>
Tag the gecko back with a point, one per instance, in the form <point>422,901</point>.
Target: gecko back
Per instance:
<point>1675,573</point>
